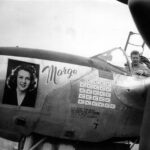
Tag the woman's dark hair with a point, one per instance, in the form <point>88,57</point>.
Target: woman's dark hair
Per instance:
<point>12,78</point>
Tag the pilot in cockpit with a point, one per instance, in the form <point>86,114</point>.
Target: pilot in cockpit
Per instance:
<point>140,64</point>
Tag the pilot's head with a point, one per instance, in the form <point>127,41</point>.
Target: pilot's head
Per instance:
<point>135,57</point>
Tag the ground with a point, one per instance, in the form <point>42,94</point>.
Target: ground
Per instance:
<point>9,145</point>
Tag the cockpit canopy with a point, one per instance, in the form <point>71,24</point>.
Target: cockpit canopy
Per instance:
<point>117,58</point>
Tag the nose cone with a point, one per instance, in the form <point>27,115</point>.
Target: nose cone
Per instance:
<point>132,91</point>
<point>140,10</point>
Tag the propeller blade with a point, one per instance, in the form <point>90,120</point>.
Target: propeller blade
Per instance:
<point>140,10</point>
<point>145,128</point>
<point>123,1</point>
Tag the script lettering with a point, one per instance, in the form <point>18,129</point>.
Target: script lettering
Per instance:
<point>53,73</point>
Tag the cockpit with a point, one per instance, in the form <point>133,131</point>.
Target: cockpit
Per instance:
<point>118,59</point>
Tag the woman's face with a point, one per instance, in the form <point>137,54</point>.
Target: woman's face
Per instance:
<point>23,80</point>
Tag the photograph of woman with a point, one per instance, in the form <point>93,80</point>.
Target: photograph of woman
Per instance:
<point>21,84</point>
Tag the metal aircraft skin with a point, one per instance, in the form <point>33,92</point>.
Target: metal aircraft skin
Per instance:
<point>140,10</point>
<point>77,98</point>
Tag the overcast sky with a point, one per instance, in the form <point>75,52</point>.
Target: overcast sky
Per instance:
<point>82,27</point>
